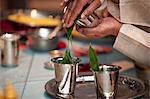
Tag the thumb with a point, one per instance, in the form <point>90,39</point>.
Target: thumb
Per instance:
<point>105,13</point>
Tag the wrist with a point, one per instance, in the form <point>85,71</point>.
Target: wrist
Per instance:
<point>118,26</point>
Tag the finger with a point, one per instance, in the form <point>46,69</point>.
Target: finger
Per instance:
<point>70,11</point>
<point>63,2</point>
<point>95,15</point>
<point>67,8</point>
<point>94,5</point>
<point>76,11</point>
<point>95,23</point>
<point>67,13</point>
<point>77,27</point>
<point>105,13</point>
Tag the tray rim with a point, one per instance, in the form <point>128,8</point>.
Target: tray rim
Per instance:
<point>130,77</point>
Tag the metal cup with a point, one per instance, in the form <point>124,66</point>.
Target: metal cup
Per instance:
<point>106,81</point>
<point>65,75</point>
<point>9,50</point>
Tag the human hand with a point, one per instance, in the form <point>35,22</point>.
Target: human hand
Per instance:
<point>75,7</point>
<point>64,2</point>
<point>105,27</point>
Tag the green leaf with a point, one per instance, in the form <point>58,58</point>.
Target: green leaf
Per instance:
<point>69,30</point>
<point>93,59</point>
<point>67,59</point>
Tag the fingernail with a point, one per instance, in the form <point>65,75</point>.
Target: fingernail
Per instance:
<point>83,16</point>
<point>62,20</point>
<point>61,4</point>
<point>64,25</point>
<point>68,25</point>
<point>64,10</point>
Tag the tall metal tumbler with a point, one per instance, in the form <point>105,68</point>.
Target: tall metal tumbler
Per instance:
<point>9,50</point>
<point>65,75</point>
<point>106,81</point>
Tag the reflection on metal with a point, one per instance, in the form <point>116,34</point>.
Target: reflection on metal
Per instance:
<point>41,42</point>
<point>106,81</point>
<point>44,32</point>
<point>33,13</point>
<point>9,50</point>
<point>87,21</point>
<point>65,75</point>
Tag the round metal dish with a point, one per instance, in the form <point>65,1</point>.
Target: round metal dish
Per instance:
<point>40,40</point>
<point>128,87</point>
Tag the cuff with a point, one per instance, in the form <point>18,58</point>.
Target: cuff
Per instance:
<point>134,42</point>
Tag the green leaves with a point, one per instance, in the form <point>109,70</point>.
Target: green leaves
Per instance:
<point>93,59</point>
<point>69,33</point>
<point>69,30</point>
<point>67,59</point>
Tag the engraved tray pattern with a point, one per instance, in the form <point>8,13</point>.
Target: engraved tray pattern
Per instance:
<point>128,87</point>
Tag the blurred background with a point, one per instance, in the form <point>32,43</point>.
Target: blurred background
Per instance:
<point>46,5</point>
<point>25,17</point>
<point>34,26</point>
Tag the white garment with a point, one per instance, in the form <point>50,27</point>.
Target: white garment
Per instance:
<point>133,39</point>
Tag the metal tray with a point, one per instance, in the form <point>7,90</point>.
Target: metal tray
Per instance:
<point>128,87</point>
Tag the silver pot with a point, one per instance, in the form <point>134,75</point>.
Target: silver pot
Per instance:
<point>41,41</point>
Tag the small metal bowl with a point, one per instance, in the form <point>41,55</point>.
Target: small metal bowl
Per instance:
<point>41,42</point>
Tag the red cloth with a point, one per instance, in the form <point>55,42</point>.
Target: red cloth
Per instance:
<point>9,26</point>
<point>83,50</point>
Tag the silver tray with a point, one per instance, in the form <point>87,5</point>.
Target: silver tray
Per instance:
<point>128,87</point>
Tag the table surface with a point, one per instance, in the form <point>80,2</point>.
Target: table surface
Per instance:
<point>30,76</point>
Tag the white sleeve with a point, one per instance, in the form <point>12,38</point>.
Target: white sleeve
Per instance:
<point>135,43</point>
